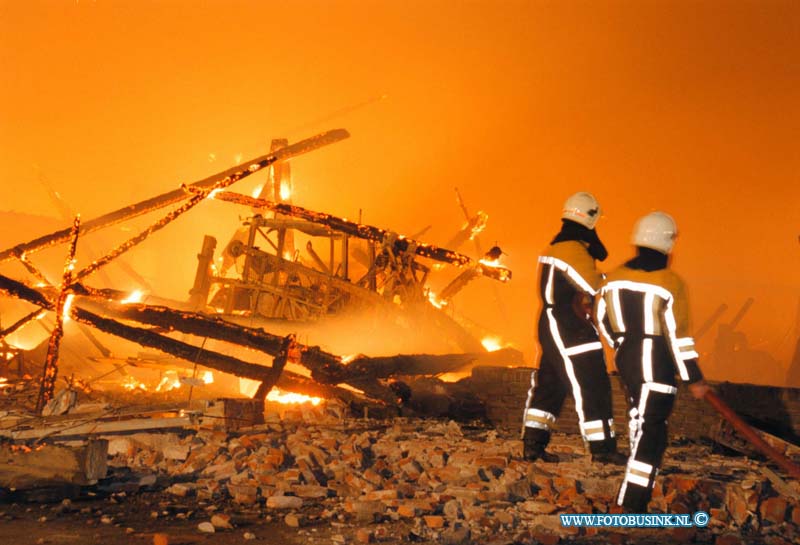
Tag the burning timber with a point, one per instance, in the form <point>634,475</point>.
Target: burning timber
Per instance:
<point>326,368</point>
<point>394,281</point>
<point>233,174</point>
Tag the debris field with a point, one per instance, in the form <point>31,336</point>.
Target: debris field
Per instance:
<point>332,478</point>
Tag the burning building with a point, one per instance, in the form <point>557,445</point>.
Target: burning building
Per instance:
<point>137,348</point>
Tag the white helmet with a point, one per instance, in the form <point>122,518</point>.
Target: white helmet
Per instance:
<point>582,208</point>
<point>656,230</point>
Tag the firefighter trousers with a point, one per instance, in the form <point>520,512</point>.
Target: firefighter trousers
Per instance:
<point>572,361</point>
<point>646,368</point>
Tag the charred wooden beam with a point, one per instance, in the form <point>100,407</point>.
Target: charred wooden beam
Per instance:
<point>287,348</point>
<point>36,273</point>
<point>326,368</point>
<point>198,196</point>
<point>177,195</point>
<point>428,364</point>
<point>154,227</point>
<point>471,229</point>
<point>50,370</point>
<point>368,232</point>
<point>457,284</point>
<point>21,291</point>
<point>22,322</point>
<point>189,352</point>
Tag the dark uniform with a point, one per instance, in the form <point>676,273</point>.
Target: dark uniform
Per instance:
<point>572,357</point>
<point>643,312</point>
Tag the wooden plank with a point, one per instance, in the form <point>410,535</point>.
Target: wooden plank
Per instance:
<point>49,465</point>
<point>109,427</point>
<point>781,486</point>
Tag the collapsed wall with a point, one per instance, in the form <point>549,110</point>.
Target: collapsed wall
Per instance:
<point>772,409</point>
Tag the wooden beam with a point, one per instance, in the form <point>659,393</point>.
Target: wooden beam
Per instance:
<point>23,468</point>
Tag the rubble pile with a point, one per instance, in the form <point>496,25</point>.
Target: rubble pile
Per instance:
<point>425,480</point>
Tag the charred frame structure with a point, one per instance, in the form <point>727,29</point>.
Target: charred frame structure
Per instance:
<point>278,284</point>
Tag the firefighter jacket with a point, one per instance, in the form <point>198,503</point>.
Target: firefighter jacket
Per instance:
<point>568,274</point>
<point>649,307</point>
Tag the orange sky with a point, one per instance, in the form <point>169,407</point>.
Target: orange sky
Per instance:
<point>691,107</point>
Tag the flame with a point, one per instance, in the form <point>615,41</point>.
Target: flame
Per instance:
<point>257,191</point>
<point>248,387</point>
<point>135,297</point>
<point>434,300</point>
<point>492,344</point>
<point>504,273</point>
<point>4,382</point>
<point>237,158</point>
<point>213,193</point>
<point>353,389</point>
<point>454,376</point>
<point>279,396</point>
<point>41,285</point>
<point>348,358</point>
<point>208,377</point>
<point>285,191</point>
<point>68,307</point>
<point>480,225</point>
<point>132,384</point>
<point>170,381</point>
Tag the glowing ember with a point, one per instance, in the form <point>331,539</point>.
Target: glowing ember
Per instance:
<point>4,382</point>
<point>213,193</point>
<point>68,307</point>
<point>135,297</point>
<point>208,377</point>
<point>492,344</point>
<point>348,358</point>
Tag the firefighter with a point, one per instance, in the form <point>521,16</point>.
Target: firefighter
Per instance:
<point>643,312</point>
<point>572,357</point>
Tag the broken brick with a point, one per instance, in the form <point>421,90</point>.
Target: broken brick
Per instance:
<point>434,521</point>
<point>774,510</point>
<point>284,502</point>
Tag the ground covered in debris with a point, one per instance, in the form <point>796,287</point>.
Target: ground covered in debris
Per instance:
<point>313,475</point>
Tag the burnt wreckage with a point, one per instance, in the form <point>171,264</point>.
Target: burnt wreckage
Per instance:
<point>274,280</point>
